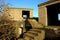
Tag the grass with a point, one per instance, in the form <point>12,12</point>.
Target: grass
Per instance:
<point>9,28</point>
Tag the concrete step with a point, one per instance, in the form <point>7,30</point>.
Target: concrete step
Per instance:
<point>20,39</point>
<point>35,24</point>
<point>34,34</point>
<point>36,30</point>
<point>29,36</point>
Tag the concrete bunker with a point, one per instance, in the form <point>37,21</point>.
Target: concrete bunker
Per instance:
<point>52,14</point>
<point>18,14</point>
<point>49,13</point>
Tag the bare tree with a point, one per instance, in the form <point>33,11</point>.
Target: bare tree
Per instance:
<point>8,28</point>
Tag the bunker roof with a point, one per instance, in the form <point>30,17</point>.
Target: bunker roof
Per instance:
<point>20,8</point>
<point>49,2</point>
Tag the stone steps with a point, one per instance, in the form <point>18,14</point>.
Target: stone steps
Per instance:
<point>33,34</point>
<point>20,39</point>
<point>35,24</point>
<point>29,36</point>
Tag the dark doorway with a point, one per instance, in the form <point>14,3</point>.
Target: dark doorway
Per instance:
<point>52,12</point>
<point>26,14</point>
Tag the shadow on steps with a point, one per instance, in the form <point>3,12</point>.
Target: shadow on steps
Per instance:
<point>51,35</point>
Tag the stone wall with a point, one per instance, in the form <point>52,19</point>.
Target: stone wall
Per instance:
<point>16,13</point>
<point>42,9</point>
<point>43,15</point>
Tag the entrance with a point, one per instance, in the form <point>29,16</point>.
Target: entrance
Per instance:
<point>53,11</point>
<point>26,14</point>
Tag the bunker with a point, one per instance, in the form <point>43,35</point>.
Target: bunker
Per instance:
<point>18,14</point>
<point>49,13</point>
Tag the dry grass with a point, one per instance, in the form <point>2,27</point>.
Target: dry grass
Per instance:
<point>9,28</point>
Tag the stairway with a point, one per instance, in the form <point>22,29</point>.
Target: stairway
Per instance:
<point>34,34</point>
<point>37,32</point>
<point>33,31</point>
<point>35,24</point>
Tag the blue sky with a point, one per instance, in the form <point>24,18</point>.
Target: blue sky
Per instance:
<point>26,4</point>
<point>59,16</point>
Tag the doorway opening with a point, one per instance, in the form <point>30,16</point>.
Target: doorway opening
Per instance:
<point>26,14</point>
<point>53,13</point>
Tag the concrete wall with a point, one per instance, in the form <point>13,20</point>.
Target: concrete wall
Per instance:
<point>42,9</point>
<point>43,15</point>
<point>16,13</point>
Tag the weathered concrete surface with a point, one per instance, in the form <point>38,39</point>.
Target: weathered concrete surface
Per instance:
<point>16,13</point>
<point>35,24</point>
<point>35,34</point>
<point>42,9</point>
